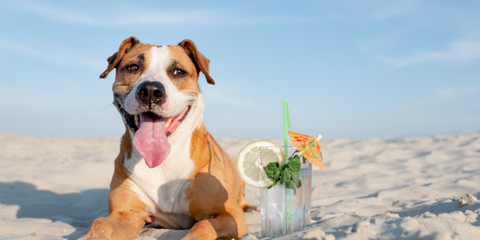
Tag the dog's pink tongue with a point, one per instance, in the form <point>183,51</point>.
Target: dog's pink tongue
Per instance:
<point>150,140</point>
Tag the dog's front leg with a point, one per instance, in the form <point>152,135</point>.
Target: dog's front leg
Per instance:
<point>127,216</point>
<point>227,225</point>
<point>118,225</point>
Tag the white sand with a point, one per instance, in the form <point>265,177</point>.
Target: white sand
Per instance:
<point>413,188</point>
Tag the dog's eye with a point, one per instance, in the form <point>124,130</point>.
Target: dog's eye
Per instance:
<point>132,68</point>
<point>179,73</point>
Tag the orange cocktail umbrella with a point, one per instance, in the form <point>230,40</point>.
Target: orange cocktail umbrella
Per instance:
<point>309,147</point>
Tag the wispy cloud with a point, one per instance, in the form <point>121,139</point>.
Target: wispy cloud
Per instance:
<point>132,16</point>
<point>32,99</point>
<point>351,10</point>
<point>438,97</point>
<point>456,92</point>
<point>54,12</point>
<point>52,55</point>
<point>394,9</point>
<point>461,50</point>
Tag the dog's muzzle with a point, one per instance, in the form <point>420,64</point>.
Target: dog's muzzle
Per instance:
<point>149,125</point>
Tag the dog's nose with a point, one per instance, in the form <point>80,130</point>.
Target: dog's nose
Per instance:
<point>151,92</point>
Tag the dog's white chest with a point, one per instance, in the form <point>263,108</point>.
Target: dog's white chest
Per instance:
<point>162,187</point>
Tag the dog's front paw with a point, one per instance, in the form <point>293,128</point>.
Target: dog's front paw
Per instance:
<point>202,230</point>
<point>100,229</point>
<point>254,208</point>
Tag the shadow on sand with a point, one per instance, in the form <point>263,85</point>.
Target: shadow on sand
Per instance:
<point>76,209</point>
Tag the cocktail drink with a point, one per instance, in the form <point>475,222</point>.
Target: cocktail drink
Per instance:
<point>285,210</point>
<point>284,176</point>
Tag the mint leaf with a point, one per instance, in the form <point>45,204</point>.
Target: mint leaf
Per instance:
<point>285,176</point>
<point>288,174</point>
<point>273,171</point>
<point>295,181</point>
<point>295,163</point>
<point>291,173</point>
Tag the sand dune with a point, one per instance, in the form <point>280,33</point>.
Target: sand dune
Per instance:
<point>411,188</point>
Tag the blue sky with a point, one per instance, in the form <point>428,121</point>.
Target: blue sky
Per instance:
<point>349,69</point>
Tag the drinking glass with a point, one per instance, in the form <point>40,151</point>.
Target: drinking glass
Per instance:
<point>278,202</point>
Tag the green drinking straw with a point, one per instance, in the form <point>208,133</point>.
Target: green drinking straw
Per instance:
<point>286,126</point>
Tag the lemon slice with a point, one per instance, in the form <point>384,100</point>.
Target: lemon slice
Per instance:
<point>253,158</point>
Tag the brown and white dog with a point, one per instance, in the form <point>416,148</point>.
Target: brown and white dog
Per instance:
<point>170,171</point>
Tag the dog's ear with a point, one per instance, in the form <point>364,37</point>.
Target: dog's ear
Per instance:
<point>124,48</point>
<point>200,61</point>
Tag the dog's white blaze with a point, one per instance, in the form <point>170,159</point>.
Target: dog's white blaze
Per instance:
<point>163,188</point>
<point>176,100</point>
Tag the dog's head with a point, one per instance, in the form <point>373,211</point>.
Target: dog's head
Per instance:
<point>155,88</point>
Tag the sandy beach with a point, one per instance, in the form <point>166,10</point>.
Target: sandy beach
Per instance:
<point>409,188</point>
